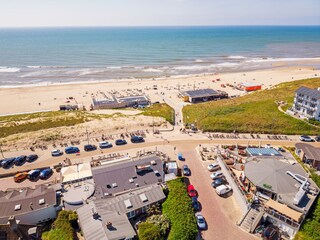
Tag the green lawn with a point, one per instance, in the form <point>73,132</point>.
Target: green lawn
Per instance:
<point>160,110</point>
<point>253,113</point>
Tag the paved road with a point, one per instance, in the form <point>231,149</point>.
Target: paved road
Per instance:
<point>220,213</point>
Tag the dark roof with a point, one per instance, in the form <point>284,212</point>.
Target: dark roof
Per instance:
<point>313,93</point>
<point>200,93</point>
<point>310,151</point>
<point>123,176</point>
<point>94,228</point>
<point>263,152</point>
<point>137,199</point>
<point>9,199</point>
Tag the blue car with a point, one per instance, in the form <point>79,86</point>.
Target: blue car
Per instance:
<point>45,173</point>
<point>121,142</point>
<point>34,174</point>
<point>137,139</point>
<point>70,150</point>
<point>20,160</point>
<point>7,163</point>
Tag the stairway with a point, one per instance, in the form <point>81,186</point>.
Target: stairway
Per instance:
<point>249,219</point>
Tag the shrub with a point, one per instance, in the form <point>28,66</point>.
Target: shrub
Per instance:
<point>61,227</point>
<point>149,231</point>
<point>162,221</point>
<point>178,209</point>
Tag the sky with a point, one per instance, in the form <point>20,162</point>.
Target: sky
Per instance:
<point>35,13</point>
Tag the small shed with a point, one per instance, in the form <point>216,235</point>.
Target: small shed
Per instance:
<point>172,167</point>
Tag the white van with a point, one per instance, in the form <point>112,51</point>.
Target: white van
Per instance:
<point>223,189</point>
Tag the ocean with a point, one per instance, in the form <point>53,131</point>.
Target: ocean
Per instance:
<point>42,56</point>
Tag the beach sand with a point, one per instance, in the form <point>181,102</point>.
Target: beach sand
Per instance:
<point>40,98</point>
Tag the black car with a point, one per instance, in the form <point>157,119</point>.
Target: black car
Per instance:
<point>89,147</point>
<point>121,142</point>
<point>317,138</point>
<point>32,158</point>
<point>186,170</point>
<point>218,182</point>
<point>8,162</point>
<point>137,139</point>
<point>20,160</point>
<point>195,204</point>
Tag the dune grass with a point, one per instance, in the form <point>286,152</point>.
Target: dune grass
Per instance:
<point>254,113</point>
<point>160,110</point>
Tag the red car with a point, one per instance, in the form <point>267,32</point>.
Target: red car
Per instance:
<point>191,191</point>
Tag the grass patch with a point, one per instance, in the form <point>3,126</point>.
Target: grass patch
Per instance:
<point>160,110</point>
<point>178,209</point>
<point>253,113</point>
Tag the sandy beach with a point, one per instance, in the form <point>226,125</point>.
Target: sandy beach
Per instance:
<point>42,98</point>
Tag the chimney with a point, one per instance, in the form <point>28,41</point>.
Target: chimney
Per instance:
<point>14,226</point>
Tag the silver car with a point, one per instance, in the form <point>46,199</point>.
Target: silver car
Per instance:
<point>201,222</point>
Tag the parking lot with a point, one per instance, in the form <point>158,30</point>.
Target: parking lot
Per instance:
<point>221,213</point>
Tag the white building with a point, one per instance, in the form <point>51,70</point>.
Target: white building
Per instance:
<point>307,103</point>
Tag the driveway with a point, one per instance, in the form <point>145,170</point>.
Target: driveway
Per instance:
<point>220,213</point>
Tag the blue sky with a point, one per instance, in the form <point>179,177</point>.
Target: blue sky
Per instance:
<point>19,13</point>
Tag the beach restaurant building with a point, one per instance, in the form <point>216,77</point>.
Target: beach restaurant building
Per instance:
<point>202,95</point>
<point>284,188</point>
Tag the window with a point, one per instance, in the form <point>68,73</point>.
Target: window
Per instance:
<point>3,235</point>
<point>131,214</point>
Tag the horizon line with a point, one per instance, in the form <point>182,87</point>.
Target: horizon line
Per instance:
<point>147,26</point>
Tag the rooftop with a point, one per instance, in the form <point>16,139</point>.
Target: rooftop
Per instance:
<point>200,93</point>
<point>133,200</point>
<point>94,226</point>
<point>263,152</point>
<point>76,172</point>
<point>111,179</point>
<point>313,93</point>
<point>26,200</point>
<point>270,173</point>
<point>310,151</point>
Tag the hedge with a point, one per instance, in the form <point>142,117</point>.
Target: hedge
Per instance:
<point>178,209</point>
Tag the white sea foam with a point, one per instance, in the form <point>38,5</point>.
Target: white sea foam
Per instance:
<point>152,70</point>
<point>206,67</point>
<point>199,60</point>
<point>34,67</point>
<point>9,70</point>
<point>236,57</point>
<point>90,71</point>
<point>261,60</point>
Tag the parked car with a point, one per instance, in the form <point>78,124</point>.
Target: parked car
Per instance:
<point>180,157</point>
<point>186,170</point>
<point>7,162</point>
<point>195,204</point>
<point>71,149</point>
<point>19,177</point>
<point>223,189</point>
<point>305,138</point>
<point>191,191</point>
<point>34,174</point>
<point>137,139</point>
<point>89,147</point>
<point>105,145</point>
<point>317,138</point>
<point>121,142</point>
<point>45,173</point>
<point>56,153</point>
<point>32,158</point>
<point>218,182</point>
<point>201,222</point>
<point>216,175</point>
<point>19,161</point>
<point>213,167</point>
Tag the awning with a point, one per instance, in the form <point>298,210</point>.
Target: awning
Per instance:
<point>283,209</point>
<point>76,172</point>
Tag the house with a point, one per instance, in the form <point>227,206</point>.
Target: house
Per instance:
<point>287,192</point>
<point>309,154</point>
<point>307,103</point>
<point>119,101</point>
<point>29,206</point>
<point>108,218</point>
<point>123,176</point>
<point>202,95</point>
<point>249,86</point>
